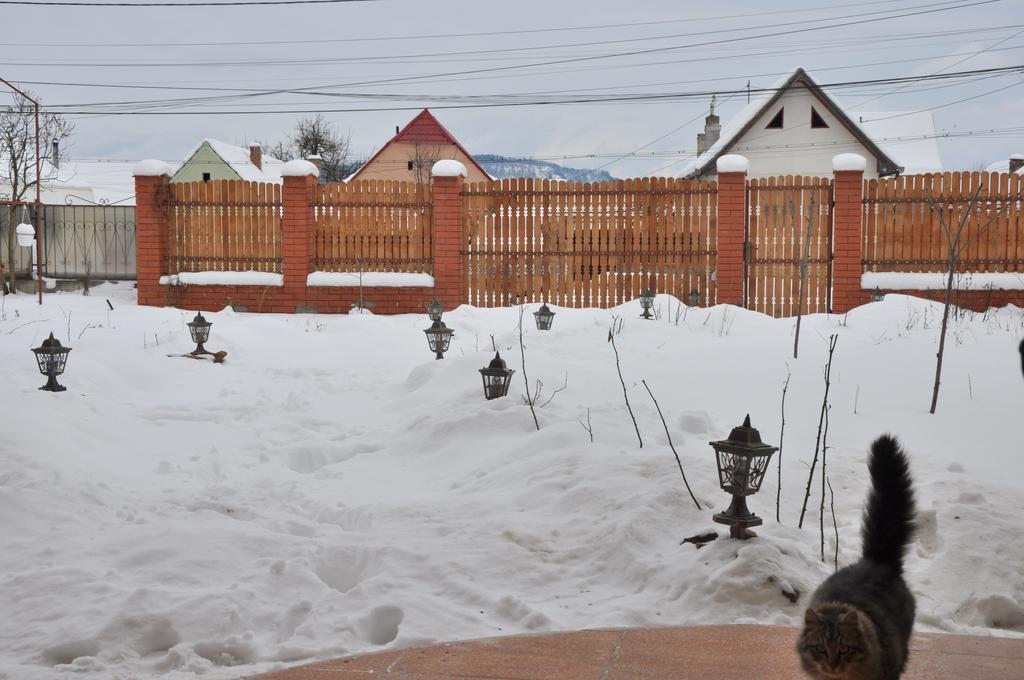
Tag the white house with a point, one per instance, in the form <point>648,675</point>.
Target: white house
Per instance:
<point>795,128</point>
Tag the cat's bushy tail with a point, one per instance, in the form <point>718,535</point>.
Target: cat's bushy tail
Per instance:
<point>888,523</point>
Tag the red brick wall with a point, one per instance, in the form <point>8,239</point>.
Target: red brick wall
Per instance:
<point>847,241</point>
<point>977,300</point>
<point>449,270</point>
<point>150,238</point>
<point>732,215</point>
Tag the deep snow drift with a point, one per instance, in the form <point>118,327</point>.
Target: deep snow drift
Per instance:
<point>332,489</point>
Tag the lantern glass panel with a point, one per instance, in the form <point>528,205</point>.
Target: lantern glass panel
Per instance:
<point>544,316</point>
<point>199,328</point>
<point>646,299</point>
<point>496,386</point>
<point>435,310</point>
<point>439,339</point>
<point>758,468</point>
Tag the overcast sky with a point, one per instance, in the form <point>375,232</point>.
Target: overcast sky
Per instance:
<point>340,53</point>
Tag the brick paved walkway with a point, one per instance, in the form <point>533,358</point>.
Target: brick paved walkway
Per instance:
<point>704,652</point>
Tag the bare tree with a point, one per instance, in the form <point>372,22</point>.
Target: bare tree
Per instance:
<point>957,241</point>
<point>316,136</point>
<point>804,257</point>
<point>18,160</point>
<point>422,158</point>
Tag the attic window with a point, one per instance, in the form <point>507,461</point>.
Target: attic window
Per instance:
<point>410,165</point>
<point>776,122</point>
<point>206,177</point>
<point>816,120</point>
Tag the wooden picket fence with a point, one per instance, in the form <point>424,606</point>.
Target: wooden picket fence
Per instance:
<point>788,218</point>
<point>224,225</point>
<point>903,222</point>
<point>583,245</point>
<point>372,225</point>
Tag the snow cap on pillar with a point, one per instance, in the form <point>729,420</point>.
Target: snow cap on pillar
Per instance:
<point>448,168</point>
<point>299,168</point>
<point>846,162</point>
<point>732,162</point>
<point>152,168</point>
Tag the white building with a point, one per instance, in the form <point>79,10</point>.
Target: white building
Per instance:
<point>795,128</point>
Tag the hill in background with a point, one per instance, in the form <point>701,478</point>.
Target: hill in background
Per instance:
<point>502,167</point>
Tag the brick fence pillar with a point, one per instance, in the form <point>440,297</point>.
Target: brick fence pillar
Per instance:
<point>732,217</point>
<point>449,271</point>
<point>847,234</point>
<point>297,226</point>
<point>152,186</point>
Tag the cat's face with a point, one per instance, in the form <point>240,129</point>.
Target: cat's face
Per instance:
<point>832,643</point>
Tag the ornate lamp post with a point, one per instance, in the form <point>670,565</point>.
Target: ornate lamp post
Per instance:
<point>52,357</point>
<point>439,336</point>
<point>694,298</point>
<point>877,295</point>
<point>544,317</point>
<point>199,327</point>
<point>742,461</point>
<point>434,310</point>
<point>496,377</point>
<point>646,301</point>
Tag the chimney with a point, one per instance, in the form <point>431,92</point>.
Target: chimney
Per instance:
<point>317,160</point>
<point>1016,162</point>
<point>55,158</point>
<point>396,130</point>
<point>256,155</point>
<point>712,130</point>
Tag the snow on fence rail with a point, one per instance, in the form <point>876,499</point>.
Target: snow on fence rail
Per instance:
<point>224,225</point>
<point>579,245</point>
<point>373,225</point>
<point>903,233</point>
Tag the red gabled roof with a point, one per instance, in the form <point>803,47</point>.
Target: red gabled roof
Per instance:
<point>423,129</point>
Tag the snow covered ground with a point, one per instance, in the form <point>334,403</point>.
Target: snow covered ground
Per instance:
<point>332,489</point>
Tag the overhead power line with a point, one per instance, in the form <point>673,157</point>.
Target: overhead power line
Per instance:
<point>496,101</point>
<point>432,36</point>
<point>229,3</point>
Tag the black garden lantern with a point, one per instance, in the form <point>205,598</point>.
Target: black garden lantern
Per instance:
<point>742,461</point>
<point>434,310</point>
<point>52,357</point>
<point>497,377</point>
<point>439,336</point>
<point>199,327</point>
<point>694,298</point>
<point>544,317</point>
<point>877,295</point>
<point>646,301</point>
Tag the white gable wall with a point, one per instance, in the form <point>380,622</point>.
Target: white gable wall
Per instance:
<point>798,149</point>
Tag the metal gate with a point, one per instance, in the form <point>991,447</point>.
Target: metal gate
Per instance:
<point>789,221</point>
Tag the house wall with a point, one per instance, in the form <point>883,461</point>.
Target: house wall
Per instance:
<point>204,160</point>
<point>788,151</point>
<point>393,163</point>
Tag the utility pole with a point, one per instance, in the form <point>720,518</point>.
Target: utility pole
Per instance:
<point>39,203</point>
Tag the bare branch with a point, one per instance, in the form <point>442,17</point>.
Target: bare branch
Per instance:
<point>671,446</point>
<point>833,339</point>
<point>625,394</point>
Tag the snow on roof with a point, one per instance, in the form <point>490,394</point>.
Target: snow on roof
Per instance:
<point>1004,166</point>
<point>237,157</point>
<point>99,181</point>
<point>907,137</point>
<point>732,129</point>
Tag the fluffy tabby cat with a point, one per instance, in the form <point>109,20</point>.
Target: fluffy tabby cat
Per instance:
<point>858,623</point>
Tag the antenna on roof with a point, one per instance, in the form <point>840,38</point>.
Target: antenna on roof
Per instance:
<point>748,91</point>
<point>712,105</point>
